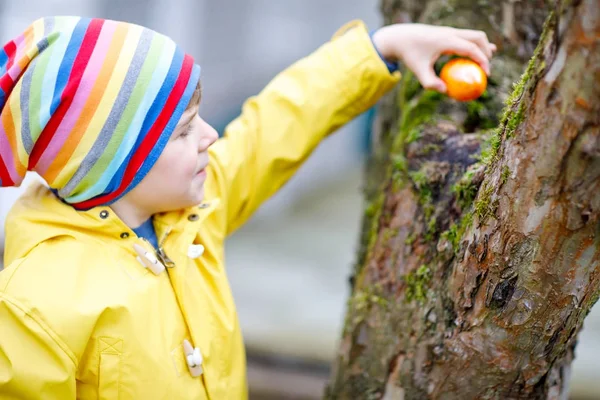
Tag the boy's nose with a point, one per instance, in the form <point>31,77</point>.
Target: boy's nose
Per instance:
<point>209,136</point>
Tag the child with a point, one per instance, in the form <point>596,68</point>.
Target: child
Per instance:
<point>115,284</point>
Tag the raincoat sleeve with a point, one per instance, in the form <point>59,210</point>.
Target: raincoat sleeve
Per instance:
<point>34,363</point>
<point>280,127</point>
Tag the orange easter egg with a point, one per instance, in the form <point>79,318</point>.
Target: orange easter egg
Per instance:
<point>464,78</point>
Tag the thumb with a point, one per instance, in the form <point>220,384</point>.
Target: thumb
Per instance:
<point>429,80</point>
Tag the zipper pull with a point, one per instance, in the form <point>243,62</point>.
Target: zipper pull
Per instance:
<point>164,258</point>
<point>161,254</point>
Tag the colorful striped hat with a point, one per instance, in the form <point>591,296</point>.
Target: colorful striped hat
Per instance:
<point>89,104</point>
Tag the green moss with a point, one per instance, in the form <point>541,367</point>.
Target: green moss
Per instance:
<point>421,182</point>
<point>410,86</point>
<point>428,208</point>
<point>484,207</point>
<point>398,174</point>
<point>456,231</point>
<point>483,203</point>
<point>430,148</point>
<point>398,181</point>
<point>474,107</point>
<point>374,207</point>
<point>514,122</point>
<point>417,282</point>
<point>419,178</point>
<point>431,225</point>
<point>517,93</point>
<point>452,236</point>
<point>465,222</point>
<point>431,228</point>
<point>410,239</point>
<point>518,90</point>
<point>413,135</point>
<point>390,233</point>
<point>491,146</point>
<point>514,110</point>
<point>481,113</point>
<point>399,163</point>
<point>415,112</point>
<point>361,303</point>
<point>372,214</point>
<point>591,301</point>
<point>465,190</point>
<point>366,298</point>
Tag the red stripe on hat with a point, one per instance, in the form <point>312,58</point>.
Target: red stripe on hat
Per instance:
<point>6,84</point>
<point>151,138</point>
<point>11,51</point>
<point>4,175</point>
<point>66,98</point>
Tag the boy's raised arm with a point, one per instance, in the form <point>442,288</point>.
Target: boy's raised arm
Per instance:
<point>279,128</point>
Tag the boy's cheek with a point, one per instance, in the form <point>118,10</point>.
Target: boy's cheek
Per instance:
<point>205,143</point>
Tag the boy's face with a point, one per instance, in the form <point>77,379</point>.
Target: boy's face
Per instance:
<point>177,179</point>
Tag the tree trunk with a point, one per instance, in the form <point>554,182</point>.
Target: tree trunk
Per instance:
<point>480,252</point>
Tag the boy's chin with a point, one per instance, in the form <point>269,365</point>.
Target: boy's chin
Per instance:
<point>195,199</point>
<point>192,200</point>
<point>199,196</point>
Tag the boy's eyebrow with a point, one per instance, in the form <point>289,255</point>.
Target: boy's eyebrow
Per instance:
<point>190,119</point>
<point>187,122</point>
<point>180,126</point>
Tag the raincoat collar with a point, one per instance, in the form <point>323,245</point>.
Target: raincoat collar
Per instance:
<point>39,216</point>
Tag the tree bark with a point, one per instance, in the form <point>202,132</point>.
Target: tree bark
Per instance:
<point>480,252</point>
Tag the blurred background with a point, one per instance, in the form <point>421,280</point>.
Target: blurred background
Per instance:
<point>289,265</point>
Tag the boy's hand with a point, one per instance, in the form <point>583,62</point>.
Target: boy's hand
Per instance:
<point>418,47</point>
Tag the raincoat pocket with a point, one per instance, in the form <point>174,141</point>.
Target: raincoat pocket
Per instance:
<point>111,351</point>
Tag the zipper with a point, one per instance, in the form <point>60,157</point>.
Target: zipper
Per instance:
<point>162,255</point>
<point>164,258</point>
<point>160,252</point>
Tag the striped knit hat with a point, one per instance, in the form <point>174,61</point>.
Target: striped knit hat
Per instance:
<point>89,104</point>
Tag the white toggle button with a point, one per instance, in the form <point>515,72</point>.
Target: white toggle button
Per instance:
<point>151,258</point>
<point>195,250</point>
<point>148,260</point>
<point>193,358</point>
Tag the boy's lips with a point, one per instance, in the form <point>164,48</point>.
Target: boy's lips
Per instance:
<point>202,170</point>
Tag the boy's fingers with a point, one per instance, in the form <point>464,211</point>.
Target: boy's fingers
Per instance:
<point>429,80</point>
<point>471,50</point>
<point>479,38</point>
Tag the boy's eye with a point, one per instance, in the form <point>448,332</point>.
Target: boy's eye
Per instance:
<point>187,131</point>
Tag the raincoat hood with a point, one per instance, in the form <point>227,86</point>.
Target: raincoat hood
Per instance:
<point>40,215</point>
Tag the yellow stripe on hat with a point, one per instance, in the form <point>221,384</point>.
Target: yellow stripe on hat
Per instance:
<point>14,128</point>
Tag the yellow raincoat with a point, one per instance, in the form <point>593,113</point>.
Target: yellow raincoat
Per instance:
<point>80,316</point>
